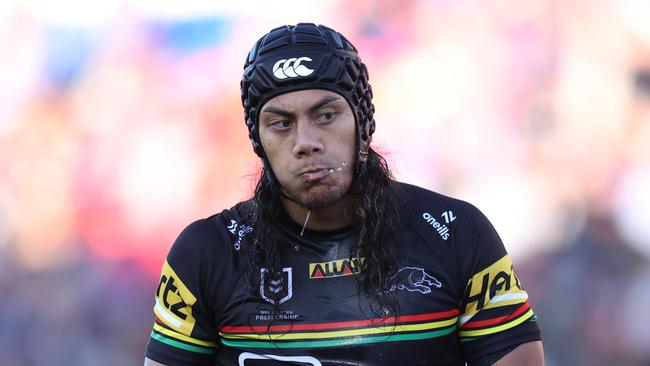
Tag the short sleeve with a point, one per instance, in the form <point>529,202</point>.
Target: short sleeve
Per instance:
<point>495,312</point>
<point>184,332</point>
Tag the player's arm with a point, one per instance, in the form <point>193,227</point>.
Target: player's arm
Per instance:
<point>183,332</point>
<point>149,362</point>
<point>497,323</point>
<point>531,353</point>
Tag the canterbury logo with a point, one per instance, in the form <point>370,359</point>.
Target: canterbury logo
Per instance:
<point>291,68</point>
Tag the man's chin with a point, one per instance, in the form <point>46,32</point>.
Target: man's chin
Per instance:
<point>319,197</point>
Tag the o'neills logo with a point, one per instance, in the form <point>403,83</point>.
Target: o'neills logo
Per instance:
<point>443,230</point>
<point>337,268</point>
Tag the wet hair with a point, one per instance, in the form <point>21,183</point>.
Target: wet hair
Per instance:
<point>375,217</point>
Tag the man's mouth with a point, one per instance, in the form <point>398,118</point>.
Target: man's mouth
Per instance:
<point>315,175</point>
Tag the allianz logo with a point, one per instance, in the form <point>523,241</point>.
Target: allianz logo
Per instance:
<point>442,229</point>
<point>291,68</point>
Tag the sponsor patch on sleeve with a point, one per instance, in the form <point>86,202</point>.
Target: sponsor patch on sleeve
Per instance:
<point>174,302</point>
<point>494,301</point>
<point>493,287</point>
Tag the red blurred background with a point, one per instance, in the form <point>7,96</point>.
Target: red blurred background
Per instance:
<point>121,122</point>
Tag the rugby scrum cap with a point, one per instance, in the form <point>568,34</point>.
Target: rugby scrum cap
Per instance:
<point>305,56</point>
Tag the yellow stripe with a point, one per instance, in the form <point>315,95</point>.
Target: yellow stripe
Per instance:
<point>504,303</point>
<point>344,333</point>
<point>183,337</point>
<point>500,328</point>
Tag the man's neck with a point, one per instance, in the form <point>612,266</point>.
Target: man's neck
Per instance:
<point>332,217</point>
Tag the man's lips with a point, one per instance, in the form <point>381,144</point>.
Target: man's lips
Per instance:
<point>315,175</point>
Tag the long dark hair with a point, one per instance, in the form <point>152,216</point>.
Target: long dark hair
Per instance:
<point>375,217</point>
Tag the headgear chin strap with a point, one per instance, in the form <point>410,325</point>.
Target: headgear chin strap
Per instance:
<point>306,56</point>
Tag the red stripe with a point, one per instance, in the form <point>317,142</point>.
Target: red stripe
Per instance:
<point>502,319</point>
<point>349,324</point>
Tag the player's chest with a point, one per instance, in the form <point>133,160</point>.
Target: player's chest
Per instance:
<point>321,284</point>
<point>315,308</point>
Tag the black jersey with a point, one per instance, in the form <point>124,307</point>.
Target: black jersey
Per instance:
<point>459,298</point>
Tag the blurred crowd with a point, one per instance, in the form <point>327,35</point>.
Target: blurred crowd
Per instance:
<point>121,122</point>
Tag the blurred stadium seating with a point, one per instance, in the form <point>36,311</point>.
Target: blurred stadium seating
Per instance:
<point>120,123</point>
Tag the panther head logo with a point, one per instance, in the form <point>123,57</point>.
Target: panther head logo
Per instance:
<point>413,279</point>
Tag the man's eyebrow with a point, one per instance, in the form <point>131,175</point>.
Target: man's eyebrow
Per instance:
<point>279,111</point>
<point>321,103</point>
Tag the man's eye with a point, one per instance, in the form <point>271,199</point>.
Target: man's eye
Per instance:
<point>327,116</point>
<point>281,124</point>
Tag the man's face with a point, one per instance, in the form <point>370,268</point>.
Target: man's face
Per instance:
<point>309,140</point>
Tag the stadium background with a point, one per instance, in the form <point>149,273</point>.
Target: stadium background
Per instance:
<point>120,123</point>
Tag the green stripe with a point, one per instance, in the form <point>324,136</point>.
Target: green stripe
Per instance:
<point>340,342</point>
<point>161,338</point>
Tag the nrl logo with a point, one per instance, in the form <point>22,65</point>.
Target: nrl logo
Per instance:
<point>276,288</point>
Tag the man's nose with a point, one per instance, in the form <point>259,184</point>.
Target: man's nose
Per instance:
<point>308,138</point>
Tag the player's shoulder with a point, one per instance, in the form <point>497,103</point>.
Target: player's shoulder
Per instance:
<point>221,222</point>
<point>422,201</point>
<point>218,232</point>
<point>426,212</point>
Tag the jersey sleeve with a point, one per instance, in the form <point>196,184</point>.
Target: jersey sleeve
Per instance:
<point>495,312</point>
<point>184,332</point>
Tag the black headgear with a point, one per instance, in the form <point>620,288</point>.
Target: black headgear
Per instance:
<point>305,56</point>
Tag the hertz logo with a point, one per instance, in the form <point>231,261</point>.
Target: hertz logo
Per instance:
<point>337,268</point>
<point>493,287</point>
<point>174,302</point>
<point>291,68</point>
